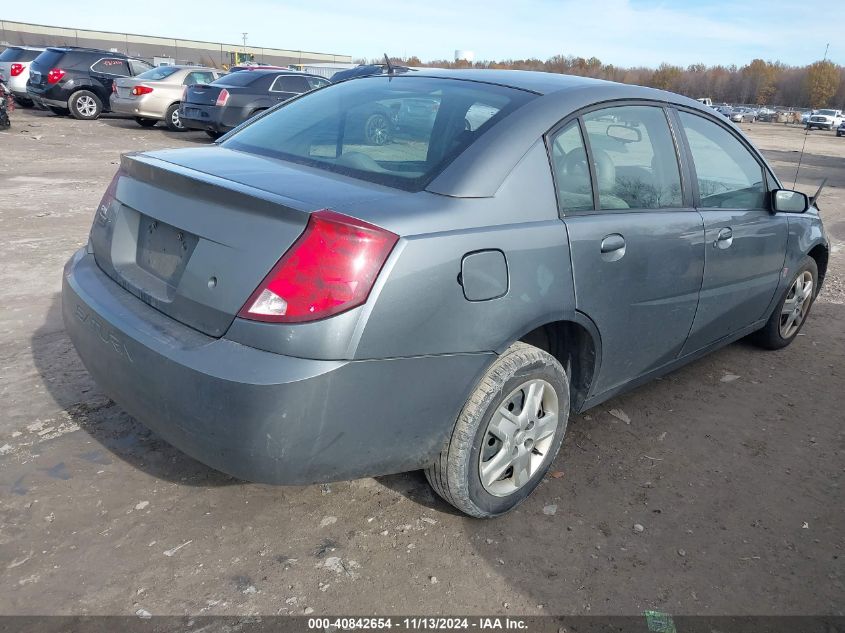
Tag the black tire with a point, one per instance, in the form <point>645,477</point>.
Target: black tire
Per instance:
<point>770,336</point>
<point>145,122</point>
<point>171,119</point>
<point>23,102</point>
<point>58,111</point>
<point>213,134</point>
<point>85,105</point>
<point>5,122</point>
<point>838,134</point>
<point>377,129</point>
<point>455,475</point>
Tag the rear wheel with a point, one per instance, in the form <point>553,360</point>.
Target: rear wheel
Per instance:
<point>85,105</point>
<point>172,120</point>
<point>791,312</point>
<point>58,111</point>
<point>24,103</point>
<point>213,134</point>
<point>377,129</point>
<point>506,436</point>
<point>145,122</point>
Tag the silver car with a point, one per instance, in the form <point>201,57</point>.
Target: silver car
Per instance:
<point>14,66</point>
<point>295,305</point>
<point>155,95</point>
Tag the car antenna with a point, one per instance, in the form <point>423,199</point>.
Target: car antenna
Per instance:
<point>818,193</point>
<point>389,65</point>
<point>801,157</point>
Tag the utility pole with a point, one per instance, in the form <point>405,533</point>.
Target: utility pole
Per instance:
<point>826,48</point>
<point>245,34</point>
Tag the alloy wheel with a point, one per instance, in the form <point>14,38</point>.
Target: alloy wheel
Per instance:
<point>796,304</point>
<point>86,106</point>
<point>174,118</point>
<point>378,129</point>
<point>518,438</point>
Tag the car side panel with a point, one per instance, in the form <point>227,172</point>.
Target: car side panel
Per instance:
<point>421,307</point>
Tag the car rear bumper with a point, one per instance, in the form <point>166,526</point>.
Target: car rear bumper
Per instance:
<point>219,119</point>
<point>135,107</point>
<point>257,415</point>
<point>52,96</point>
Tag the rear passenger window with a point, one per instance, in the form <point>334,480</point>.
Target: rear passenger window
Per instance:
<point>729,177</point>
<point>572,175</point>
<point>634,155</point>
<point>108,66</point>
<point>317,82</point>
<point>290,83</point>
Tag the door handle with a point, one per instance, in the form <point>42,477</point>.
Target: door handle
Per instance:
<point>725,238</point>
<point>612,247</point>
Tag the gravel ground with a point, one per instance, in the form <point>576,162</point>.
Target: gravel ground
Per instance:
<point>732,466</point>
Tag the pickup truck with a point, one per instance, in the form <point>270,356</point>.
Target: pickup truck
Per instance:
<point>825,120</point>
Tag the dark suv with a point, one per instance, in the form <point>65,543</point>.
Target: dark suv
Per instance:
<point>78,81</point>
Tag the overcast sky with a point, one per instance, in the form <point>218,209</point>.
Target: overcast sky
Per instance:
<point>621,32</point>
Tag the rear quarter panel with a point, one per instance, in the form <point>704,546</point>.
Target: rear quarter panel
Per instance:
<point>420,307</point>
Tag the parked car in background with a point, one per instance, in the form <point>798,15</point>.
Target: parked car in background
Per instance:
<point>806,114</point>
<point>840,131</point>
<point>825,120</point>
<point>155,95</point>
<point>290,306</point>
<point>78,81</point>
<point>724,110</point>
<point>14,66</point>
<point>741,115</point>
<point>224,104</point>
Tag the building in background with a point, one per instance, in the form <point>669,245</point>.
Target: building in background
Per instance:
<point>148,47</point>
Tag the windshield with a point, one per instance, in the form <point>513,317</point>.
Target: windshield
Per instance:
<point>396,131</point>
<point>157,74</point>
<point>827,112</point>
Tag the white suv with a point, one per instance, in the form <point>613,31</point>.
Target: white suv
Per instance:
<point>825,119</point>
<point>14,66</point>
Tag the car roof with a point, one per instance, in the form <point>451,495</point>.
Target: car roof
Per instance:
<point>26,48</point>
<point>482,167</point>
<point>82,49</point>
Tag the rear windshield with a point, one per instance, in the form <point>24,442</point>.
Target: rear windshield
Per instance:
<point>18,55</point>
<point>157,74</point>
<point>49,58</point>
<point>243,78</point>
<point>395,131</point>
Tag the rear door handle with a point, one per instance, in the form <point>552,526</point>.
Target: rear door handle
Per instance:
<point>725,238</point>
<point>612,247</point>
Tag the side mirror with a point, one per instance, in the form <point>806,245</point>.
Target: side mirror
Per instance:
<point>788,201</point>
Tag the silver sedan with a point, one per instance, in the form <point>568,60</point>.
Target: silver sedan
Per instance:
<point>155,95</point>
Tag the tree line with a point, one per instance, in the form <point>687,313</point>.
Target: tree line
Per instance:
<point>817,85</point>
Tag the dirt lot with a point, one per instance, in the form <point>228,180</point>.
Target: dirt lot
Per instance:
<point>733,465</point>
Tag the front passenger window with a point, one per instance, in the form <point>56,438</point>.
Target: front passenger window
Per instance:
<point>729,177</point>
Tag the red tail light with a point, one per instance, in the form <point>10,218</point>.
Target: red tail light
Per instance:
<point>330,268</point>
<point>16,69</point>
<point>55,75</point>
<point>104,209</point>
<point>222,98</point>
<point>141,90</point>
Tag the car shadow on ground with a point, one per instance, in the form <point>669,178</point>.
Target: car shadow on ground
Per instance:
<point>702,502</point>
<point>68,383</point>
<point>119,121</point>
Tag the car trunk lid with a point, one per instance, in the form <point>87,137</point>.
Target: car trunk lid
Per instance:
<point>205,94</point>
<point>194,232</point>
